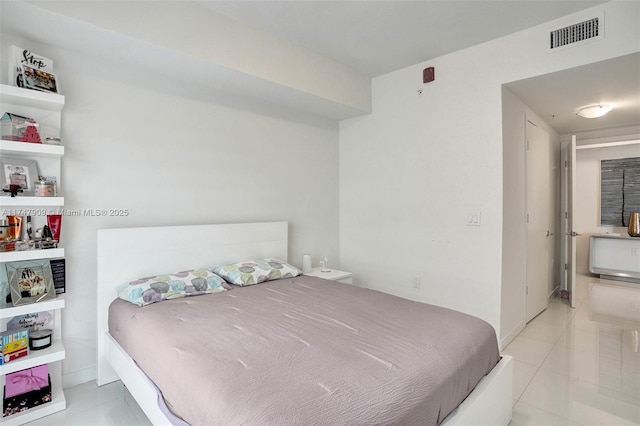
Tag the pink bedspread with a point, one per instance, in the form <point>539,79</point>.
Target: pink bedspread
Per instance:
<point>306,351</point>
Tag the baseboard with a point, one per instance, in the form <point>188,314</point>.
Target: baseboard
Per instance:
<point>78,377</point>
<point>554,293</point>
<point>504,342</point>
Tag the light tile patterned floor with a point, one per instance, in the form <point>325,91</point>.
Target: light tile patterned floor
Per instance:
<point>90,405</point>
<point>581,366</point>
<point>571,367</point>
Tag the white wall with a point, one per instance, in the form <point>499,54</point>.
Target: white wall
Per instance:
<point>587,208</point>
<point>132,141</point>
<point>412,171</point>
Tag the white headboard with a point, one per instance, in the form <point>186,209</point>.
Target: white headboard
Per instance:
<point>129,253</point>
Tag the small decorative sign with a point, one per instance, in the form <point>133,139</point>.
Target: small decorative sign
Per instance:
<point>19,57</point>
<point>33,321</point>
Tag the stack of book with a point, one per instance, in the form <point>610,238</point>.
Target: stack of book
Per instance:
<point>14,344</point>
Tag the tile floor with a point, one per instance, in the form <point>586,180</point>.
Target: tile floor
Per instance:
<point>90,405</point>
<point>581,366</point>
<point>572,367</point>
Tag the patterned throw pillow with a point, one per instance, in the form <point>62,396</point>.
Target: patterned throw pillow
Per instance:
<point>256,271</point>
<point>145,291</point>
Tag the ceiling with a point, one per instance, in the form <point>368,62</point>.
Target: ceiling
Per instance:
<point>556,96</point>
<point>377,37</point>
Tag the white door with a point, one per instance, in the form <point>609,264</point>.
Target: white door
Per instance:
<point>568,250</point>
<point>540,239</point>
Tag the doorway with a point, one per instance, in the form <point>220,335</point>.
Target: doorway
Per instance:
<point>551,99</point>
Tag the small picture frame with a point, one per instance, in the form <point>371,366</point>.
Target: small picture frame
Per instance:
<point>30,282</point>
<point>18,171</point>
<point>39,79</point>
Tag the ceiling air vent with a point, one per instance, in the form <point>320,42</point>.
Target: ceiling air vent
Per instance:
<point>582,31</point>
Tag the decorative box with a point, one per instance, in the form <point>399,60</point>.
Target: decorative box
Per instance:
<point>26,380</point>
<point>25,245</point>
<point>44,244</point>
<point>26,389</point>
<point>7,246</point>
<point>18,128</point>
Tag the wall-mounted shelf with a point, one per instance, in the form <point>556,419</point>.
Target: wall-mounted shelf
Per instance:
<point>53,353</point>
<point>8,311</point>
<point>31,98</point>
<point>31,201</point>
<point>25,149</point>
<point>17,256</point>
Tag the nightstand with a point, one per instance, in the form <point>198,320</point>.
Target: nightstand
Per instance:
<point>333,274</point>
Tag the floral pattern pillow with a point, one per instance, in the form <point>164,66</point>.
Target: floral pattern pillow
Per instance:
<point>256,271</point>
<point>145,291</point>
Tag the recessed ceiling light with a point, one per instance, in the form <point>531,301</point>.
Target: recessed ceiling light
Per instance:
<point>594,111</point>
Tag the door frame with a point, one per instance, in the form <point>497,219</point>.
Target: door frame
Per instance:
<point>543,250</point>
<point>568,262</point>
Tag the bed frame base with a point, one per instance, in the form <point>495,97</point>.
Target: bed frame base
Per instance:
<point>137,383</point>
<point>491,402</point>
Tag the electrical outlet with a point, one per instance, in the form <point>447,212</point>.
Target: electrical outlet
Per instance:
<point>417,281</point>
<point>473,219</point>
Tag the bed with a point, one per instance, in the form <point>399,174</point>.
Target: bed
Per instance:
<point>297,350</point>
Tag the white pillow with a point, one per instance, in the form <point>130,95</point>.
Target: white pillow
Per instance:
<point>256,271</point>
<point>145,291</point>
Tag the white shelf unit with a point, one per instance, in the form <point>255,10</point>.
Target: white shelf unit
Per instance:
<point>16,256</point>
<point>46,109</point>
<point>22,149</point>
<point>31,98</point>
<point>20,201</point>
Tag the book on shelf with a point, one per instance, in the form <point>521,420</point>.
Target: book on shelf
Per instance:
<point>14,344</point>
